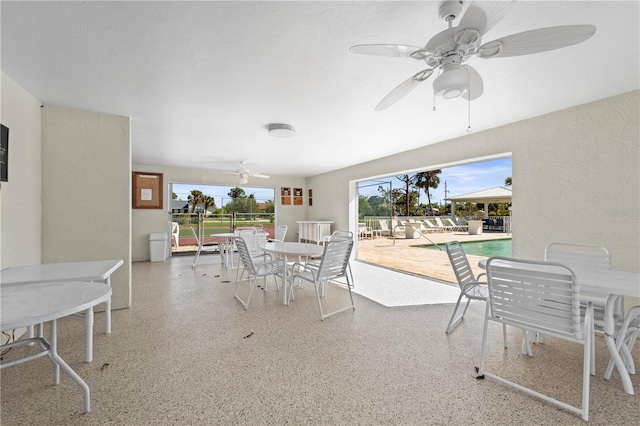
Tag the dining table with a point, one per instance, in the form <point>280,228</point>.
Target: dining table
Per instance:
<point>90,271</point>
<point>36,303</point>
<point>287,249</point>
<point>612,284</point>
<point>226,247</point>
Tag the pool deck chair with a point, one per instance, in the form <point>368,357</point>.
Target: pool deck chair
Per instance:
<point>471,287</point>
<point>544,298</point>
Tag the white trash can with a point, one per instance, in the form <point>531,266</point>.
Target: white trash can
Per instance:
<point>158,246</point>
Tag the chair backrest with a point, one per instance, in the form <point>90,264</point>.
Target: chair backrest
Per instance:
<point>439,222</point>
<point>384,225</point>
<point>460,263</point>
<point>195,235</point>
<point>449,222</point>
<point>342,235</point>
<point>244,254</point>
<point>335,259</point>
<point>255,240</point>
<point>429,223</point>
<point>533,295</point>
<point>582,255</point>
<point>281,231</point>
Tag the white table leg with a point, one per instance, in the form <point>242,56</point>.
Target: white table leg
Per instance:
<point>609,335</point>
<point>88,334</point>
<point>59,362</point>
<point>286,285</point>
<point>107,312</point>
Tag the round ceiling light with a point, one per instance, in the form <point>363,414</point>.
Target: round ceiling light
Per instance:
<point>453,82</point>
<point>282,130</point>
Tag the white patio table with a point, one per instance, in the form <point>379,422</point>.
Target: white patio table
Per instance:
<point>227,245</point>
<point>93,270</point>
<point>25,305</point>
<point>284,249</point>
<point>612,284</point>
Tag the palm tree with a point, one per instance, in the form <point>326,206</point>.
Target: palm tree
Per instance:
<point>507,181</point>
<point>408,181</point>
<point>426,180</point>
<point>194,199</point>
<point>208,202</point>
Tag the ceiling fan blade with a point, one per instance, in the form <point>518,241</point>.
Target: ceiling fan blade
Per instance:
<point>393,50</point>
<point>231,173</point>
<point>484,15</point>
<point>536,41</point>
<point>403,89</point>
<point>259,175</point>
<point>476,88</point>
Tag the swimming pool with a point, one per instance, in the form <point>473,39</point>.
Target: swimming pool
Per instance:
<point>501,247</point>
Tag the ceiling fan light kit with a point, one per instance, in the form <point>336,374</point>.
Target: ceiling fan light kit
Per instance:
<point>281,130</point>
<point>450,48</point>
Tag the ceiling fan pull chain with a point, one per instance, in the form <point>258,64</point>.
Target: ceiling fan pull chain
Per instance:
<point>469,125</point>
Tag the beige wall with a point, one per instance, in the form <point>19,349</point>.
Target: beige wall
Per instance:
<point>575,173</point>
<point>20,205</point>
<point>146,221</point>
<point>86,191</point>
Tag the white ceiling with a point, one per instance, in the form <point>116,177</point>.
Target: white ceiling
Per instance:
<point>202,80</point>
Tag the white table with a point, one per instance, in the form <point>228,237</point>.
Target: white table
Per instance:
<point>95,270</point>
<point>284,249</point>
<point>227,246</point>
<point>612,284</point>
<point>26,305</point>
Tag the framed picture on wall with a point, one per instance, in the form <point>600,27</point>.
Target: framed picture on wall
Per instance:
<point>147,190</point>
<point>285,196</point>
<point>4,152</point>
<point>297,196</point>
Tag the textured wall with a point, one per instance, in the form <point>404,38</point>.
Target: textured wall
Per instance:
<point>86,191</point>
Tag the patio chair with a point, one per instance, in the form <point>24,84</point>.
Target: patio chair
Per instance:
<point>202,246</point>
<point>541,297</point>
<point>586,256</point>
<point>333,266</point>
<point>175,233</point>
<point>254,239</point>
<point>432,226</point>
<point>445,228</point>
<point>274,267</point>
<point>471,287</point>
<point>397,227</point>
<point>454,226</point>
<point>384,228</point>
<point>364,232</point>
<point>281,232</point>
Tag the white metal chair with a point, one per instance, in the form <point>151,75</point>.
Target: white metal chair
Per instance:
<point>586,256</point>
<point>274,267</point>
<point>384,228</point>
<point>333,266</point>
<point>175,233</point>
<point>544,298</point>
<point>280,233</point>
<point>255,239</point>
<point>471,287</point>
<point>627,336</point>
<point>202,246</point>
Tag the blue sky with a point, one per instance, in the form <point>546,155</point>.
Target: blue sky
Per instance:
<point>460,180</point>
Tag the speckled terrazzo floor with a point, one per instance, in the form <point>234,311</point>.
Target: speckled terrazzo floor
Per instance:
<point>181,356</point>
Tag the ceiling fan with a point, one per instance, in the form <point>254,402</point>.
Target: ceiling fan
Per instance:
<point>246,174</point>
<point>449,49</point>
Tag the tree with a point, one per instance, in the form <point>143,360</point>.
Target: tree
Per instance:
<point>236,192</point>
<point>174,195</point>
<point>408,181</point>
<point>208,202</point>
<point>194,199</point>
<point>426,180</point>
<point>364,208</point>
<point>507,181</point>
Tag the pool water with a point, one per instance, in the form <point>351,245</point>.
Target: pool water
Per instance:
<point>487,248</point>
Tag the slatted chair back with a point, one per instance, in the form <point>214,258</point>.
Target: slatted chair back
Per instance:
<point>335,259</point>
<point>584,255</point>
<point>281,232</point>
<point>541,297</point>
<point>460,265</point>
